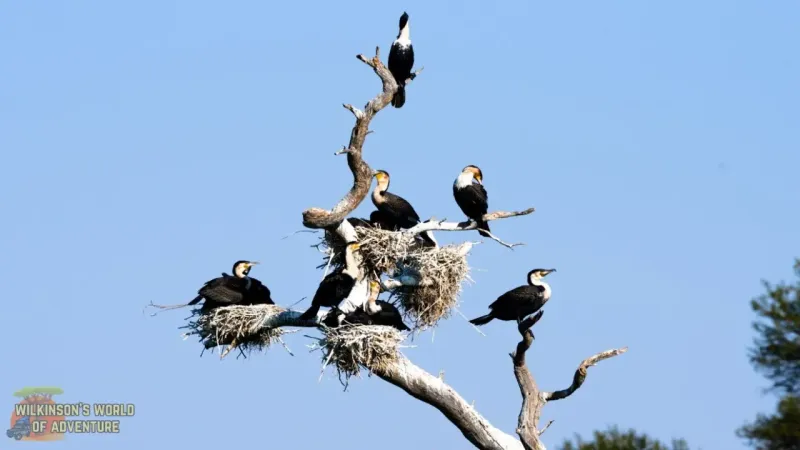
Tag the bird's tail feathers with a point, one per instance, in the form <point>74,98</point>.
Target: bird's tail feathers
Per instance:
<point>195,300</point>
<point>399,98</point>
<point>482,320</point>
<point>483,225</point>
<point>310,313</point>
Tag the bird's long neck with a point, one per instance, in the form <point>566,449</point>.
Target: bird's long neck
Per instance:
<point>247,282</point>
<point>538,282</point>
<point>464,180</point>
<point>404,38</point>
<point>351,267</point>
<point>378,194</point>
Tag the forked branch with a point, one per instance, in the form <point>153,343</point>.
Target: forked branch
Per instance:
<point>533,400</point>
<point>580,373</point>
<point>362,172</point>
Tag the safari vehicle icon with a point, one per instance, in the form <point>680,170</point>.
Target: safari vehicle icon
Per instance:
<point>21,428</point>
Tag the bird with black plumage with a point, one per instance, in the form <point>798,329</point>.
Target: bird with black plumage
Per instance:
<point>521,301</point>
<point>336,286</point>
<point>395,212</point>
<point>237,289</point>
<point>471,197</point>
<point>401,61</point>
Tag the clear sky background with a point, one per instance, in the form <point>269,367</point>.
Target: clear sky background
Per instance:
<point>148,145</point>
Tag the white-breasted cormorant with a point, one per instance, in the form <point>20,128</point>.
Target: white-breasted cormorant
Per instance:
<point>336,286</point>
<point>401,61</point>
<point>374,312</point>
<point>236,289</point>
<point>381,312</point>
<point>519,302</point>
<point>395,209</point>
<point>472,197</point>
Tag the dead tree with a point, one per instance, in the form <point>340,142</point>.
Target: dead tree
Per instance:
<point>428,282</point>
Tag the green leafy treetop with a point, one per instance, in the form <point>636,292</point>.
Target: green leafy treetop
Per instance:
<point>28,391</point>
<point>777,356</point>
<point>614,439</point>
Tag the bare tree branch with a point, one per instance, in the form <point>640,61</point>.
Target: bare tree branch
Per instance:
<point>580,374</point>
<point>362,172</point>
<point>533,400</point>
<point>403,373</point>
<point>441,225</point>
<point>435,392</point>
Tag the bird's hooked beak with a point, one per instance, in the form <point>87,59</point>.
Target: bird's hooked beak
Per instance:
<point>548,272</point>
<point>252,263</point>
<point>479,178</point>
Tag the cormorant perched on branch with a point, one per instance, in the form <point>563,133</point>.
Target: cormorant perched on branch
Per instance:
<point>336,286</point>
<point>395,209</point>
<point>238,289</point>
<point>519,302</point>
<point>472,197</point>
<point>401,61</point>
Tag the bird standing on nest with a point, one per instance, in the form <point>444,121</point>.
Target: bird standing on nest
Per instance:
<point>401,61</point>
<point>381,312</point>
<point>236,289</point>
<point>520,302</point>
<point>472,197</point>
<point>374,312</point>
<point>336,286</point>
<point>395,210</point>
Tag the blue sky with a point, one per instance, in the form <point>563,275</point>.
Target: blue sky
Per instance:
<point>148,145</point>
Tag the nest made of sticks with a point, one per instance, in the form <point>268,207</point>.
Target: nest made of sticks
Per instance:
<point>380,249</point>
<point>441,272</point>
<point>243,324</point>
<point>350,347</point>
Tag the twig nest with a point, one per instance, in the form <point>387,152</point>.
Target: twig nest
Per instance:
<point>380,249</point>
<point>440,273</point>
<point>350,347</point>
<point>243,324</point>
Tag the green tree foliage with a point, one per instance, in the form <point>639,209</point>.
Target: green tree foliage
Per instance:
<point>777,355</point>
<point>614,439</point>
<point>24,392</point>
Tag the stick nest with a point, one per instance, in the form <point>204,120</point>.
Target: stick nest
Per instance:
<point>350,347</point>
<point>242,323</point>
<point>441,272</point>
<point>380,249</point>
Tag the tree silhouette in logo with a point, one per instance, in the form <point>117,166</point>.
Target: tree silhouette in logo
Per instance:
<point>36,396</point>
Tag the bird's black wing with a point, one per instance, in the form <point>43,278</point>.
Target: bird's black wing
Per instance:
<point>401,61</point>
<point>227,290</point>
<point>402,211</point>
<point>259,293</point>
<point>472,199</point>
<point>514,296</point>
<point>334,288</point>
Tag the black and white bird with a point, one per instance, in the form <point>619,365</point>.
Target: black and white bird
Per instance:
<point>471,196</point>
<point>374,312</point>
<point>336,286</point>
<point>395,211</point>
<point>520,302</point>
<point>236,289</point>
<point>380,312</point>
<point>401,61</point>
